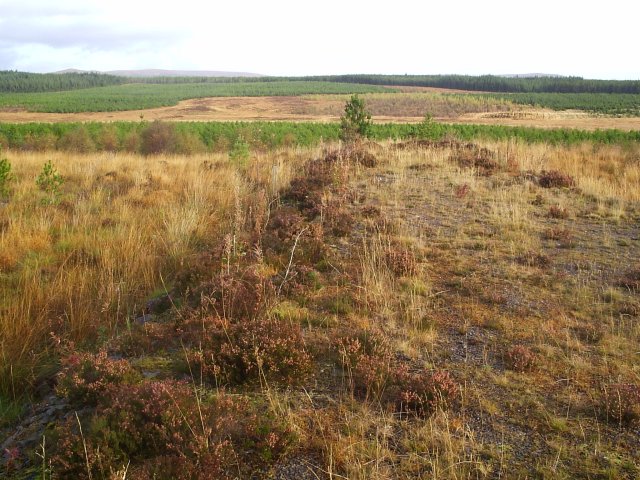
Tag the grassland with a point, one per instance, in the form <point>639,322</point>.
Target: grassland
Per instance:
<point>135,96</point>
<point>428,308</point>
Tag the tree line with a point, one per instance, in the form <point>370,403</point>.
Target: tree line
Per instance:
<point>16,82</point>
<point>491,83</point>
<point>25,82</point>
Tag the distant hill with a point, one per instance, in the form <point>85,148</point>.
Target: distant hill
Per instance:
<point>75,70</point>
<point>155,72</point>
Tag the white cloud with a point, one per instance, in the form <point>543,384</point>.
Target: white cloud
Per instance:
<point>335,36</point>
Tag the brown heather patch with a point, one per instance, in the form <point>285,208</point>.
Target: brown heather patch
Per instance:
<point>401,260</point>
<point>425,393</point>
<point>160,425</point>
<point>85,378</point>
<point>478,158</point>
<point>558,212</point>
<point>520,358</point>
<point>233,352</point>
<point>555,179</point>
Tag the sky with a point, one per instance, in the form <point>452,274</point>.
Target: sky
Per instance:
<point>294,37</point>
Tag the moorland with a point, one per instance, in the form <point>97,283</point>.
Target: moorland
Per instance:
<point>325,296</point>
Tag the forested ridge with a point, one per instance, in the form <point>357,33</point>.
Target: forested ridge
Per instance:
<point>16,82</point>
<point>25,82</point>
<point>492,83</point>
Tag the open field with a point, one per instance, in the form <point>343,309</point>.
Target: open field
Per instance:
<point>389,107</point>
<point>409,309</point>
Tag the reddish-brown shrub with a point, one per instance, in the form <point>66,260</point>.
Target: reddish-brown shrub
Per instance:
<point>283,227</point>
<point>215,464</point>
<point>621,403</point>
<point>301,280</point>
<point>360,156</point>
<point>520,358</point>
<point>138,421</point>
<point>563,236</point>
<point>241,294</point>
<point>401,260</point>
<point>423,393</point>
<point>85,377</point>
<point>108,138</point>
<point>155,424</point>
<point>339,220</point>
<point>287,226</point>
<point>367,357</point>
<point>555,179</point>
<point>236,352</point>
<point>39,143</point>
<point>132,142</point>
<point>306,193</point>
<point>479,158</point>
<point>558,212</point>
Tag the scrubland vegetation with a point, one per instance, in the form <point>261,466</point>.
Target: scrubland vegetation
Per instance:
<point>460,302</point>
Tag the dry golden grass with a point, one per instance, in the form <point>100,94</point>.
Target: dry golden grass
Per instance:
<point>123,225</point>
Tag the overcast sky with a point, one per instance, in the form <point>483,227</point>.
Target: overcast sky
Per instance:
<point>294,37</point>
